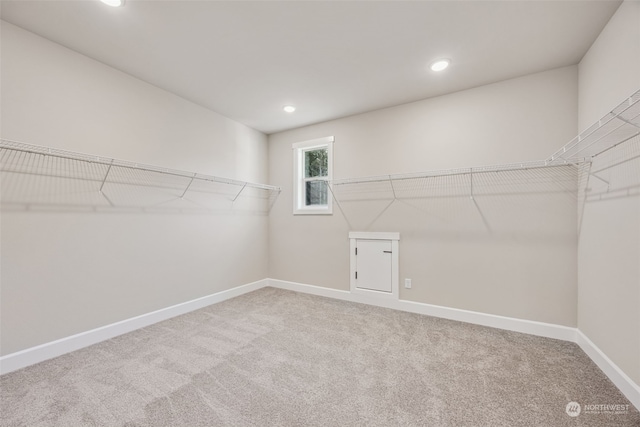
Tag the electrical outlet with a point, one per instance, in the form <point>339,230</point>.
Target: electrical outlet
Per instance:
<point>407,283</point>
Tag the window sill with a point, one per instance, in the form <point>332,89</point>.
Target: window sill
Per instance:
<point>313,212</point>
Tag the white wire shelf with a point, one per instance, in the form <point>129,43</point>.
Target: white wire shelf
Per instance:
<point>34,175</point>
<point>507,179</point>
<point>563,178</point>
<point>497,198</point>
<point>447,172</point>
<point>496,180</point>
<point>618,126</point>
<point>520,187</point>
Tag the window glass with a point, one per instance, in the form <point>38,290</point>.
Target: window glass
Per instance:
<point>316,193</point>
<point>316,163</point>
<point>312,171</point>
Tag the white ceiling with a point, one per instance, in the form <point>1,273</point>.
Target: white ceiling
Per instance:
<point>246,60</point>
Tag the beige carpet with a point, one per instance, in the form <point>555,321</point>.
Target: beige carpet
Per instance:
<point>279,358</point>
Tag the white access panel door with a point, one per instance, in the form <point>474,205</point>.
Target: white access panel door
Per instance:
<point>374,265</point>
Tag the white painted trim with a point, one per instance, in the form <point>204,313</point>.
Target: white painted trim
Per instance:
<point>298,187</point>
<point>373,235</point>
<point>310,289</point>
<point>313,142</point>
<point>565,333</point>
<point>531,327</point>
<point>395,265</point>
<point>626,385</point>
<point>40,353</point>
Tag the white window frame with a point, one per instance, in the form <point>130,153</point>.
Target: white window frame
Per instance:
<point>299,207</point>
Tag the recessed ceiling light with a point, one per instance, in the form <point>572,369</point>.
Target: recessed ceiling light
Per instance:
<point>289,108</point>
<point>114,3</point>
<point>440,64</point>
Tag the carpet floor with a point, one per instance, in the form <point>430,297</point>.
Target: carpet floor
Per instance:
<point>280,358</point>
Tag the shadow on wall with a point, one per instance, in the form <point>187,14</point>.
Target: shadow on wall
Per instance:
<point>49,182</point>
<point>613,174</point>
<point>528,202</point>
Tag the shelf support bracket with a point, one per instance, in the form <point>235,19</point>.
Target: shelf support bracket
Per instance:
<point>484,219</point>
<point>105,177</point>
<point>102,185</point>
<point>239,192</point>
<point>392,188</point>
<point>338,204</point>
<point>188,185</point>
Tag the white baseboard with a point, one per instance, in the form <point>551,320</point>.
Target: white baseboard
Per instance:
<point>625,384</point>
<point>531,327</point>
<point>310,289</point>
<point>33,355</point>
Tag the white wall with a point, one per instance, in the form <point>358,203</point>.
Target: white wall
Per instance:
<point>66,272</point>
<point>609,242</point>
<point>610,71</point>
<point>525,267</point>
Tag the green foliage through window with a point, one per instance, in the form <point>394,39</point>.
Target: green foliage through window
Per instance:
<point>316,163</point>
<point>312,169</point>
<point>316,193</point>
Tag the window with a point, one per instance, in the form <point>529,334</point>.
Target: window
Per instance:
<point>312,171</point>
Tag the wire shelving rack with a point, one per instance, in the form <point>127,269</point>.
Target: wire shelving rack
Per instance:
<point>38,176</point>
<point>615,128</point>
<point>76,178</point>
<point>565,171</point>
